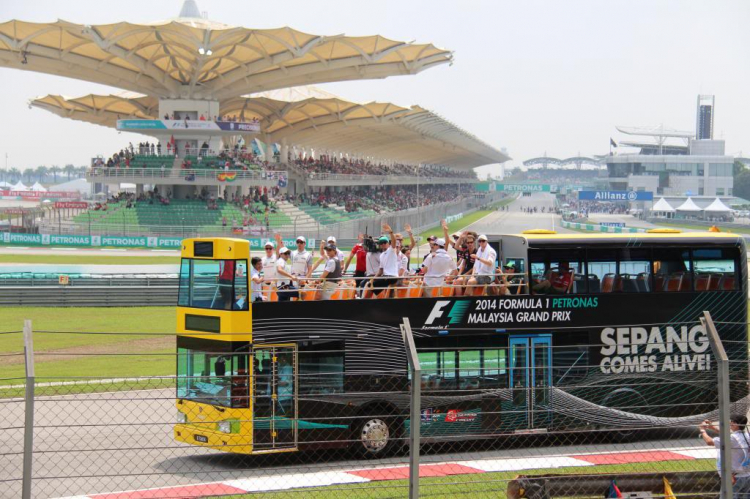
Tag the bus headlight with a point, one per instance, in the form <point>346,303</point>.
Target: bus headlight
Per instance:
<point>181,417</point>
<point>225,426</point>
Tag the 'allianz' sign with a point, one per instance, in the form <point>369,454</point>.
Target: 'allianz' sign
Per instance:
<point>615,196</point>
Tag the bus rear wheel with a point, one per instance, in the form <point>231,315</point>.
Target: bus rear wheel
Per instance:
<point>375,437</point>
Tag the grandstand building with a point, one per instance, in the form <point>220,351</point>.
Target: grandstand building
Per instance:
<point>232,115</point>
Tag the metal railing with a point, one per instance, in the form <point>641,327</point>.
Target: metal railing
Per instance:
<point>183,174</point>
<point>431,418</point>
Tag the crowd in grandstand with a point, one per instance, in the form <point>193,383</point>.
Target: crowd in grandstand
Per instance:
<point>380,199</point>
<point>228,159</point>
<point>329,164</point>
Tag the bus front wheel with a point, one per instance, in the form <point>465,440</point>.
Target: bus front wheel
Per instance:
<point>375,437</point>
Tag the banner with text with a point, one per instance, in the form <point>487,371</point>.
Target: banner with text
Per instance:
<point>615,196</point>
<point>121,241</point>
<point>524,187</point>
<point>181,125</point>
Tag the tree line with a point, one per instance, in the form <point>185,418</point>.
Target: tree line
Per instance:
<point>43,174</point>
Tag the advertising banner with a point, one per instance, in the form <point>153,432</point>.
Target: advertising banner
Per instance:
<point>85,241</point>
<point>615,196</point>
<point>78,205</point>
<point>524,187</point>
<point>40,195</point>
<point>225,126</point>
<point>22,239</point>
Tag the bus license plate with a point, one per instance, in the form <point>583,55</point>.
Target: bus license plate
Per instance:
<point>201,438</point>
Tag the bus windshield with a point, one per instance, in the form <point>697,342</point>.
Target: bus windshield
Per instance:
<point>214,377</point>
<point>213,284</point>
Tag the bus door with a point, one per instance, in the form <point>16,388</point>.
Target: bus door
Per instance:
<point>530,379</point>
<point>274,397</point>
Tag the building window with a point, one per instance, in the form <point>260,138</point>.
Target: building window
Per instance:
<point>719,191</point>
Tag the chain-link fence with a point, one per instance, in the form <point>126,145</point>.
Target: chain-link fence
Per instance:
<point>500,414</point>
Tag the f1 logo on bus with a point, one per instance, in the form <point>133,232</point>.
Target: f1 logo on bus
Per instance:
<point>456,314</point>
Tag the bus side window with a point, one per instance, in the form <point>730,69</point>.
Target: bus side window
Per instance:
<point>494,369</point>
<point>321,371</point>
<point>469,369</point>
<point>557,271</point>
<point>447,361</point>
<point>428,361</point>
<point>634,272</point>
<point>671,269</point>
<point>715,269</point>
<point>602,270</point>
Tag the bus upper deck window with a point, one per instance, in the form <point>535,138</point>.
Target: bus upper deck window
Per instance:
<point>634,273</point>
<point>671,269</point>
<point>715,269</point>
<point>602,270</point>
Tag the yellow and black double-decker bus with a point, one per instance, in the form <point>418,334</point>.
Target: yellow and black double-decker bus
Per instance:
<point>591,329</point>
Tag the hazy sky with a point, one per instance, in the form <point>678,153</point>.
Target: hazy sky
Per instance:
<point>532,76</point>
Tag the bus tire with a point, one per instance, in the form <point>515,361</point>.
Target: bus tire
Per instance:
<point>375,437</point>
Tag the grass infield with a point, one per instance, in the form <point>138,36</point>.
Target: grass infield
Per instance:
<point>68,342</point>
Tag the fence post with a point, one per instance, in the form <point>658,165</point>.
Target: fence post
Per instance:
<point>28,428</point>
<point>722,364</point>
<point>415,417</point>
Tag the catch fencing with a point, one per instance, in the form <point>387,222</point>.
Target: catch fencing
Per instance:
<point>97,413</point>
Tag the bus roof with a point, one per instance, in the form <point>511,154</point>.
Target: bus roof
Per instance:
<point>711,238</point>
<point>636,235</point>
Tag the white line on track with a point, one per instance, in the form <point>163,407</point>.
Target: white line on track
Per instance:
<point>17,247</point>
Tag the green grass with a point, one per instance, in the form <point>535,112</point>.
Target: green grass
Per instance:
<point>68,355</point>
<point>477,485</point>
<point>89,259</point>
<point>458,225</point>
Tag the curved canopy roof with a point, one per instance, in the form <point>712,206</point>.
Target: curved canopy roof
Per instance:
<point>102,110</point>
<point>311,117</point>
<point>194,58</point>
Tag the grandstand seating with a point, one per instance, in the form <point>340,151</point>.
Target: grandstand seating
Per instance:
<point>139,161</point>
<point>215,163</point>
<point>331,215</point>
<point>180,212</point>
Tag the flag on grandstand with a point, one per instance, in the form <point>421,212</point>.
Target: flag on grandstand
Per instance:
<point>226,176</point>
<point>612,142</point>
<point>668,493</point>
<point>614,490</point>
<point>282,181</point>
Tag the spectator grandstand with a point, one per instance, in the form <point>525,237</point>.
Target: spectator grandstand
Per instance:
<point>327,164</point>
<point>262,210</point>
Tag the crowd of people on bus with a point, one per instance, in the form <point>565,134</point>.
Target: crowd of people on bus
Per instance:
<point>459,264</point>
